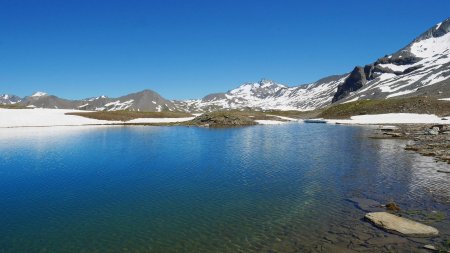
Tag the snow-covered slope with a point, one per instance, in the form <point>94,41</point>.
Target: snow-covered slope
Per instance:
<point>146,100</point>
<point>13,118</point>
<point>267,94</point>
<point>6,99</point>
<point>409,72</point>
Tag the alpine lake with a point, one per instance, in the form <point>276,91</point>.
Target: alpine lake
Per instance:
<point>272,188</point>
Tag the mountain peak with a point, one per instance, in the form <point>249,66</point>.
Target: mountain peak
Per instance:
<point>266,81</point>
<point>435,41</point>
<point>39,94</point>
<point>148,91</point>
<point>443,26</point>
<point>436,31</point>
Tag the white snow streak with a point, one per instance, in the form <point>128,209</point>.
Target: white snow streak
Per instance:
<point>393,118</point>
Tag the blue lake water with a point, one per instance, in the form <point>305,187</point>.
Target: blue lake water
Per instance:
<point>186,189</point>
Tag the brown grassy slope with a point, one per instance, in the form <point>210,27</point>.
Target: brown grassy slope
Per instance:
<point>13,107</point>
<point>424,105</point>
<point>128,115</point>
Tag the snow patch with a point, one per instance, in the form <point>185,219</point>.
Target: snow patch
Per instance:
<point>39,94</point>
<point>43,118</point>
<point>393,118</point>
<point>270,122</point>
<point>432,46</point>
<point>118,106</point>
<point>283,118</point>
<point>400,93</point>
<point>96,98</point>
<point>351,100</point>
<point>396,68</point>
<point>12,118</point>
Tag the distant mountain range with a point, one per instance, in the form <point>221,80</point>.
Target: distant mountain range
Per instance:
<point>422,68</point>
<point>146,100</point>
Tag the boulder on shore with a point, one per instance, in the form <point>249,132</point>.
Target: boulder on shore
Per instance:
<point>400,225</point>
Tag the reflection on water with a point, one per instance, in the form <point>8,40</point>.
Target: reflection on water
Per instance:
<point>179,189</point>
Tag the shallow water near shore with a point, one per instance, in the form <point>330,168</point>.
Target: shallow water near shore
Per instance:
<point>280,188</point>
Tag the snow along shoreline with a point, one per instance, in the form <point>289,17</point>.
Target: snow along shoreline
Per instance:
<point>19,118</point>
<point>392,118</point>
<point>40,117</point>
<point>16,118</point>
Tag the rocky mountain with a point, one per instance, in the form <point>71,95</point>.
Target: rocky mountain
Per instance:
<point>267,94</point>
<point>6,99</point>
<point>43,100</point>
<point>422,68</point>
<point>146,100</point>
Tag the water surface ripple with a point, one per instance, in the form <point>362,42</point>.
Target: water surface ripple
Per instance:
<point>180,189</point>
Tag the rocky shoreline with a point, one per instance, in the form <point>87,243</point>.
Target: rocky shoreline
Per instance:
<point>426,139</point>
<point>398,230</point>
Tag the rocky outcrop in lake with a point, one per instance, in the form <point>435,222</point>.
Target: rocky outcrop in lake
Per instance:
<point>400,225</point>
<point>222,119</point>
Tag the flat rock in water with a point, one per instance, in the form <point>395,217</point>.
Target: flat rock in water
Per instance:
<point>403,226</point>
<point>430,247</point>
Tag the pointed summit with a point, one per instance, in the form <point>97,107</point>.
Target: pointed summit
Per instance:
<point>436,31</point>
<point>39,94</point>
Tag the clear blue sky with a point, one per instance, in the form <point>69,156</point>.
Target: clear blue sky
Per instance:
<point>187,49</point>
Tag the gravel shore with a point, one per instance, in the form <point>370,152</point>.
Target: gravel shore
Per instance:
<point>426,139</point>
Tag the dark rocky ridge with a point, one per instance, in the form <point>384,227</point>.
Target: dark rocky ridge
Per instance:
<point>359,78</point>
<point>354,82</point>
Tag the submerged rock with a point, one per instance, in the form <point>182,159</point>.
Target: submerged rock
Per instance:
<point>392,207</point>
<point>400,225</point>
<point>367,205</point>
